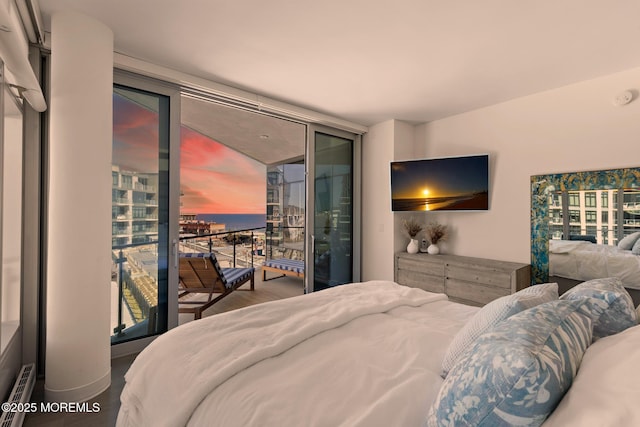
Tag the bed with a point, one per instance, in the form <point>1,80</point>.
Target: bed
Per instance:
<point>367,354</point>
<point>583,260</point>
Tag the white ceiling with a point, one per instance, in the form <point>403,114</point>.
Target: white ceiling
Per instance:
<point>372,60</point>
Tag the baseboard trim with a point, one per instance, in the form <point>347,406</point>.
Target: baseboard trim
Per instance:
<point>79,394</point>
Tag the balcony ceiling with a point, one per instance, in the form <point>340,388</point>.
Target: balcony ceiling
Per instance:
<point>266,139</point>
<point>370,61</point>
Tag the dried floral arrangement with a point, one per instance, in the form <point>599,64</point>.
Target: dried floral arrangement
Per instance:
<point>412,227</point>
<point>436,233</point>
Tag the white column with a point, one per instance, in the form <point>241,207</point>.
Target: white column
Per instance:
<point>78,353</point>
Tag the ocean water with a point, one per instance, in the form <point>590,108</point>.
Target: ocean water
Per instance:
<point>236,221</point>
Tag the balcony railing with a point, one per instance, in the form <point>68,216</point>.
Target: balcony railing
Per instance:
<point>136,280</point>
<point>141,187</point>
<point>135,267</point>
<point>232,248</point>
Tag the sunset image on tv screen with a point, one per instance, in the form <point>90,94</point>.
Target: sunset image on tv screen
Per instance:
<point>452,183</point>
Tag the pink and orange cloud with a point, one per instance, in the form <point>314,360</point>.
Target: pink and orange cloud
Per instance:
<point>217,179</point>
<point>213,178</point>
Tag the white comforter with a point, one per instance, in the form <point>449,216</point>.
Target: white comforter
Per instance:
<point>363,354</point>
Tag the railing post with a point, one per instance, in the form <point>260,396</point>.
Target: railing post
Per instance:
<point>118,329</point>
<point>252,246</point>
<point>234,250</point>
<point>267,250</point>
<point>210,245</point>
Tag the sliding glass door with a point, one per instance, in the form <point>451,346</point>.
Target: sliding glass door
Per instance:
<point>11,232</point>
<point>144,211</point>
<point>333,217</point>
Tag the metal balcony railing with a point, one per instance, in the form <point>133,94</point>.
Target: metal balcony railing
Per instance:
<point>136,270</point>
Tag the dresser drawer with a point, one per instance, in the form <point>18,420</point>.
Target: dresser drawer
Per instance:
<point>420,280</point>
<point>422,264</point>
<point>473,292</point>
<point>479,274</point>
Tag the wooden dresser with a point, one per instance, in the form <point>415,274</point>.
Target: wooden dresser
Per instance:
<point>473,281</point>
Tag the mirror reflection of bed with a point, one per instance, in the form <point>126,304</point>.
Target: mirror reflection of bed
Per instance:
<point>575,261</point>
<point>585,226</point>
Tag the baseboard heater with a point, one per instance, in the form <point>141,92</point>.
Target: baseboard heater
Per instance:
<point>21,393</point>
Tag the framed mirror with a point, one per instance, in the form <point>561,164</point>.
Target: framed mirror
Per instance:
<point>582,224</point>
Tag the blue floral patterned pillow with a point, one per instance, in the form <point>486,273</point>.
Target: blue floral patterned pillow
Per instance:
<point>492,314</point>
<point>516,373</point>
<point>613,307</point>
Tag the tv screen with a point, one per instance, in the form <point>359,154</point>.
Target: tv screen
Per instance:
<point>441,184</point>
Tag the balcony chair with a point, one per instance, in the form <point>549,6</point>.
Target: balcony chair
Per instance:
<point>284,266</point>
<point>201,273</point>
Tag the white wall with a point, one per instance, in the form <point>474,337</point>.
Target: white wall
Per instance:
<point>383,142</point>
<point>572,128</point>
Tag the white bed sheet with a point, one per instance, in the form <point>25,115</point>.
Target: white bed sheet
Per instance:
<point>606,390</point>
<point>582,260</point>
<point>371,363</point>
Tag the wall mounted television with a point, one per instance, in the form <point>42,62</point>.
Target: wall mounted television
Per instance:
<point>441,184</point>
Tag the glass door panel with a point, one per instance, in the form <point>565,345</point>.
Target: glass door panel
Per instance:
<point>285,211</point>
<point>11,156</point>
<point>333,210</point>
<point>140,214</point>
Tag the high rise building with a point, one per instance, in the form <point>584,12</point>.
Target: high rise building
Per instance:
<point>134,211</point>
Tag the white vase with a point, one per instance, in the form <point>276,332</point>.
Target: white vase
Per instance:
<point>413,247</point>
<point>433,249</point>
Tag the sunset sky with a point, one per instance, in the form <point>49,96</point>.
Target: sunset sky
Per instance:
<point>216,179</point>
<point>439,177</point>
<point>213,177</point>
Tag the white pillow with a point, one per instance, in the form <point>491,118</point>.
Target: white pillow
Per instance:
<point>492,314</point>
<point>606,390</point>
<point>627,242</point>
<point>636,248</point>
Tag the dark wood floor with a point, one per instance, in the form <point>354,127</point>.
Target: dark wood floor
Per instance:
<point>109,400</point>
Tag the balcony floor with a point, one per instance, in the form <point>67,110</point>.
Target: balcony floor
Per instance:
<point>283,287</point>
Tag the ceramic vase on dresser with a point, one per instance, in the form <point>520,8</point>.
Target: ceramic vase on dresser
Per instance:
<point>433,249</point>
<point>413,247</point>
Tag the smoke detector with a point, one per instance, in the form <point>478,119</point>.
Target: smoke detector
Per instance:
<point>623,98</point>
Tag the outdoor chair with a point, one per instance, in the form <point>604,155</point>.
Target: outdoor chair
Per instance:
<point>200,273</point>
<point>284,266</point>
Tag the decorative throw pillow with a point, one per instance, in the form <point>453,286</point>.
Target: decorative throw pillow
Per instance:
<point>627,242</point>
<point>516,373</point>
<point>604,392</point>
<point>613,309</point>
<point>492,314</point>
<point>636,248</point>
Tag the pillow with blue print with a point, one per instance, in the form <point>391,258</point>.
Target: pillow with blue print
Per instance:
<point>492,314</point>
<point>612,307</point>
<point>516,373</point>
